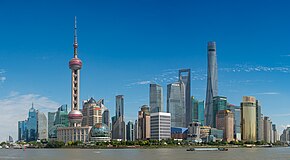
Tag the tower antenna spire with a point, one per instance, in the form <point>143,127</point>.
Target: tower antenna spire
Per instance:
<point>75,39</point>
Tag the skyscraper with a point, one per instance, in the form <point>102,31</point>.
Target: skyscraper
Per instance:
<point>225,122</point>
<point>42,126</point>
<point>57,119</point>
<point>197,111</point>
<point>106,117</point>
<point>258,121</point>
<point>75,64</point>
<point>119,127</point>
<point>248,119</point>
<point>130,131</point>
<point>185,78</point>
<point>267,129</point>
<point>156,98</point>
<point>22,130</point>
<point>237,120</point>
<point>144,123</point>
<point>92,112</point>
<point>31,125</point>
<point>212,83</point>
<point>219,104</point>
<point>176,104</point>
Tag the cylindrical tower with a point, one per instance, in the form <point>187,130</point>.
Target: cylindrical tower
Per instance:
<point>75,64</point>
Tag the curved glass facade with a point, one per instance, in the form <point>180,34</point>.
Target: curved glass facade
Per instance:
<point>248,113</point>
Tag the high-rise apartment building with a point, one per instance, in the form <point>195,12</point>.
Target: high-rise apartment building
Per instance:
<point>176,104</point>
<point>156,98</point>
<point>248,119</point>
<point>212,83</point>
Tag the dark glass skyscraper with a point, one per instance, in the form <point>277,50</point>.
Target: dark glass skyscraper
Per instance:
<point>176,104</point>
<point>156,98</point>
<point>184,77</point>
<point>212,83</point>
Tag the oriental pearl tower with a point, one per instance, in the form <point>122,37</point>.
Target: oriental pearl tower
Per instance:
<point>75,64</point>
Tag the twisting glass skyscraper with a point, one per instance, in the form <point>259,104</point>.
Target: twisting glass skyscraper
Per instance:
<point>212,83</point>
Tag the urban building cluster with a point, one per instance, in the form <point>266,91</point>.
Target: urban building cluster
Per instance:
<point>185,117</point>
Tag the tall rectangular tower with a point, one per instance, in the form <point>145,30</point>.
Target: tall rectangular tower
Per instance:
<point>184,77</point>
<point>176,104</point>
<point>212,83</point>
<point>248,119</point>
<point>156,98</point>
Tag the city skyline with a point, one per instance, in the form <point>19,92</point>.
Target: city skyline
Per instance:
<point>34,62</point>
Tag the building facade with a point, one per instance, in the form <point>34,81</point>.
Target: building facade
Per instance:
<point>73,134</point>
<point>22,130</point>
<point>259,132</point>
<point>248,119</point>
<point>42,126</point>
<point>160,126</point>
<point>225,122</point>
<point>197,110</point>
<point>267,129</point>
<point>130,131</point>
<point>185,78</point>
<point>212,83</point>
<point>176,104</point>
<point>119,126</point>
<point>194,132</point>
<point>92,112</point>
<point>219,104</point>
<point>144,123</point>
<point>156,98</point>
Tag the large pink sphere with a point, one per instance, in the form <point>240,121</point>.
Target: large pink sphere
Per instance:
<point>75,116</point>
<point>75,64</point>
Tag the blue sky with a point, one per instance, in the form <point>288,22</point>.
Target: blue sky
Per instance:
<point>124,45</point>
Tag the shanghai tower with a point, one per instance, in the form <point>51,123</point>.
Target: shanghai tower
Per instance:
<point>212,83</point>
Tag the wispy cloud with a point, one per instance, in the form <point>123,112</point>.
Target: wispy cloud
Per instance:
<point>15,108</point>
<point>268,93</point>
<point>257,68</point>
<point>2,77</point>
<point>139,83</point>
<point>169,76</point>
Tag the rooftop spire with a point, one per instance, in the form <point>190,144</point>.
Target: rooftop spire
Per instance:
<point>75,39</point>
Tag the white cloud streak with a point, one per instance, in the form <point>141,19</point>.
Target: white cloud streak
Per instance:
<point>15,108</point>
<point>259,68</point>
<point>269,93</point>
<point>2,77</point>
